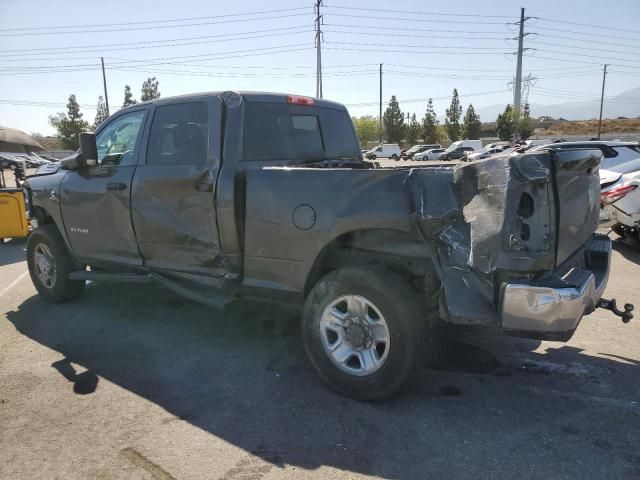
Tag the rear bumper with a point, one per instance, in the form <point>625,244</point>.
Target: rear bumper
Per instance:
<point>551,309</point>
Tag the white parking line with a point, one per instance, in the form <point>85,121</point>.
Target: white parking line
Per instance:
<point>13,284</point>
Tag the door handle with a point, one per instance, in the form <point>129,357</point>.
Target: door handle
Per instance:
<point>204,187</point>
<point>116,186</point>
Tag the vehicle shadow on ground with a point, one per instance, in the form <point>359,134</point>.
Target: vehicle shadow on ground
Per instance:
<point>243,377</point>
<point>628,248</point>
<point>13,251</point>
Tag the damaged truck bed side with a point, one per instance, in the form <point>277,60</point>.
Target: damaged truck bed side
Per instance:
<point>223,196</point>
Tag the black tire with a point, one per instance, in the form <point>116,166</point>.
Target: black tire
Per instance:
<point>405,314</point>
<point>62,289</point>
<point>394,157</point>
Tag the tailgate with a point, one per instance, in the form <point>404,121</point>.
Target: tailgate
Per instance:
<point>577,185</point>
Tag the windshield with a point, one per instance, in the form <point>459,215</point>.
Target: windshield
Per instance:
<point>277,131</point>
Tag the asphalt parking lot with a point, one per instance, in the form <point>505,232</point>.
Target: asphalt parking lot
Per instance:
<point>131,381</point>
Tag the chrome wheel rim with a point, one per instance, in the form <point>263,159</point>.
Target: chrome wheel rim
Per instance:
<point>44,265</point>
<point>355,335</point>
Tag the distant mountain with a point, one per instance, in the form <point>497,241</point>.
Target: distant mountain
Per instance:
<point>625,104</point>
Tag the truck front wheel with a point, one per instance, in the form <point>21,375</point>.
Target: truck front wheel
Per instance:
<point>363,330</point>
<point>49,265</point>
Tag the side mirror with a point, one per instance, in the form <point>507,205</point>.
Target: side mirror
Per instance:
<point>88,149</point>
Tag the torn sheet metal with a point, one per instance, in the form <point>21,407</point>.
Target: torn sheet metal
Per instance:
<point>473,214</point>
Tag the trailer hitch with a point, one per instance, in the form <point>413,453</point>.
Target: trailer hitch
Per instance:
<point>626,315</point>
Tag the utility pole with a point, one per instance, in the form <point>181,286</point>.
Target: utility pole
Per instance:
<point>604,77</point>
<point>380,103</point>
<point>104,83</point>
<point>518,86</point>
<point>318,50</point>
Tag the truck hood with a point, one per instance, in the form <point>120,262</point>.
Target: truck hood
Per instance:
<point>47,169</point>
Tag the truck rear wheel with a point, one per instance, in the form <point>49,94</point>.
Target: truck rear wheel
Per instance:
<point>363,330</point>
<point>49,265</point>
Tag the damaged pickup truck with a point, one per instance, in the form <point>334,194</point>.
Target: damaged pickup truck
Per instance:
<point>225,196</point>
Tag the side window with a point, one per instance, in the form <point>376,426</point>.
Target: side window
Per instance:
<point>116,142</point>
<point>179,134</point>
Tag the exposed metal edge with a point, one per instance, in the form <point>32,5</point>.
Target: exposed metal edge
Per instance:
<point>213,299</point>
<point>110,277</point>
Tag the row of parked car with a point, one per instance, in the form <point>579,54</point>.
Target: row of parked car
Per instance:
<point>462,149</point>
<point>619,170</point>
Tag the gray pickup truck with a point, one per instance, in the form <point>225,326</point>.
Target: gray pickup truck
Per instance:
<point>224,196</point>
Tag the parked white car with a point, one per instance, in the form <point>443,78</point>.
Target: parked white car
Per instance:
<point>385,150</point>
<point>484,153</point>
<point>621,204</point>
<point>428,154</point>
<point>409,154</point>
<point>614,153</point>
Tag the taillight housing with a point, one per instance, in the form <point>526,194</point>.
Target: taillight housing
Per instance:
<point>300,100</point>
<point>617,193</point>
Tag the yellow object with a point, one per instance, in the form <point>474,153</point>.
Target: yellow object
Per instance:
<point>13,214</point>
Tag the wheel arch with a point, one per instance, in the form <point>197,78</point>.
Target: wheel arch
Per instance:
<point>400,252</point>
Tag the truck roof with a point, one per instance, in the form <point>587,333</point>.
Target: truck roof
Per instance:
<point>249,96</point>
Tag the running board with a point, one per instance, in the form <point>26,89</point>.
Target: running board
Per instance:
<point>110,277</point>
<point>213,299</point>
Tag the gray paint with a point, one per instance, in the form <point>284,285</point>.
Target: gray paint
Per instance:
<point>271,223</point>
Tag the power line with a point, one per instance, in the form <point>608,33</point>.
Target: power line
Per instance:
<point>565,60</point>
<point>129,45</point>
<point>599,41</point>
<point>412,19</point>
<point>150,62</point>
<point>392,45</point>
<point>456,37</point>
<point>36,103</point>
<point>581,47</point>
<point>404,29</point>
<point>430,52</point>
<point>587,55</point>
<point>587,95</point>
<point>591,25</point>
<point>416,100</point>
<point>149,22</point>
<point>64,32</point>
<point>415,12</point>
<point>589,34</point>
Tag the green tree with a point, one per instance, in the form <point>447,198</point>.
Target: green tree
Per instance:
<point>101,113</point>
<point>393,121</point>
<point>430,124</point>
<point>452,119</point>
<point>366,128</point>
<point>150,89</point>
<point>525,126</point>
<point>472,124</point>
<point>504,123</point>
<point>69,125</point>
<point>413,130</point>
<point>441,135</point>
<point>128,97</point>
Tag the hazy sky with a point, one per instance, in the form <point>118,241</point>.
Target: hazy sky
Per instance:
<point>50,49</point>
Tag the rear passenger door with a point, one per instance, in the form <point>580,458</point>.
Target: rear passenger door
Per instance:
<point>173,189</point>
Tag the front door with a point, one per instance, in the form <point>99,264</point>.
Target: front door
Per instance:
<point>96,202</point>
<point>173,191</point>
